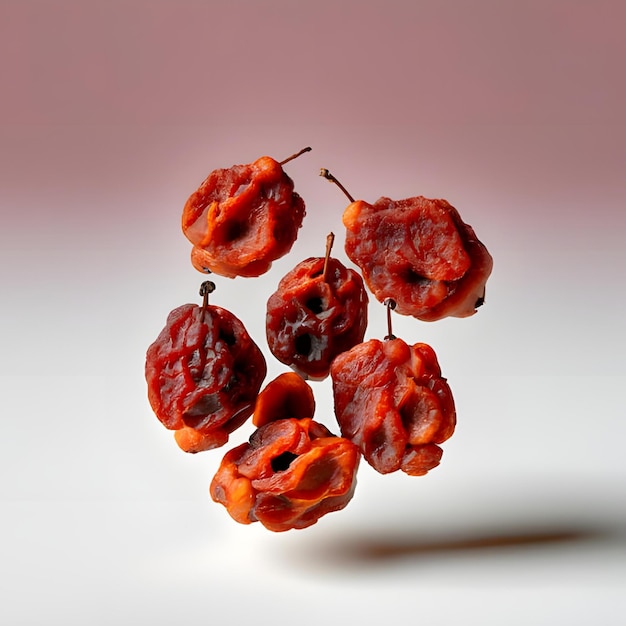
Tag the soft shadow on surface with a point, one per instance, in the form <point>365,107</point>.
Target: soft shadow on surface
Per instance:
<point>376,548</point>
<point>516,519</point>
<point>381,549</point>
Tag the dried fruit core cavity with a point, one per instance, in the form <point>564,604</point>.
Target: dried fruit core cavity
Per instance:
<point>315,305</point>
<point>304,344</point>
<point>283,461</point>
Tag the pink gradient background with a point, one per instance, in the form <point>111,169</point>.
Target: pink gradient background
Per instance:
<point>113,112</point>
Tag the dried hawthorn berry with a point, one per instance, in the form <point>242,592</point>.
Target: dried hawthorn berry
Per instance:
<point>318,311</point>
<point>391,400</point>
<point>203,373</point>
<point>288,395</point>
<point>289,474</point>
<point>243,218</point>
<point>419,252</point>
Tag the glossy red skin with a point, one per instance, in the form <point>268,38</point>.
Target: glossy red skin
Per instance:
<point>288,395</point>
<point>419,253</point>
<point>391,401</point>
<point>319,478</point>
<point>203,373</point>
<point>329,314</point>
<point>243,218</point>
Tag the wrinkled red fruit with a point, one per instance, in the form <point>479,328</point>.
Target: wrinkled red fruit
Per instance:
<point>391,401</point>
<point>419,253</point>
<point>288,395</point>
<point>203,373</point>
<point>243,218</point>
<point>291,473</point>
<point>312,317</point>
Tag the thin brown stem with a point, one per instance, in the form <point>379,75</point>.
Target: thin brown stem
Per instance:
<point>295,156</point>
<point>207,287</point>
<point>391,305</point>
<point>330,239</point>
<point>328,176</point>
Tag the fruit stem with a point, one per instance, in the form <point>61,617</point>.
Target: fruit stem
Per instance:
<point>391,305</point>
<point>328,176</point>
<point>330,239</point>
<point>295,156</point>
<point>207,287</point>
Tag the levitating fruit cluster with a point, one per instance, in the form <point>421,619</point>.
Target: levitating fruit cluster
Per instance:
<point>393,407</point>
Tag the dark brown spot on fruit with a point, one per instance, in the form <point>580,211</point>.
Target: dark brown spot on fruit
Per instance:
<point>303,344</point>
<point>283,461</point>
<point>315,305</point>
